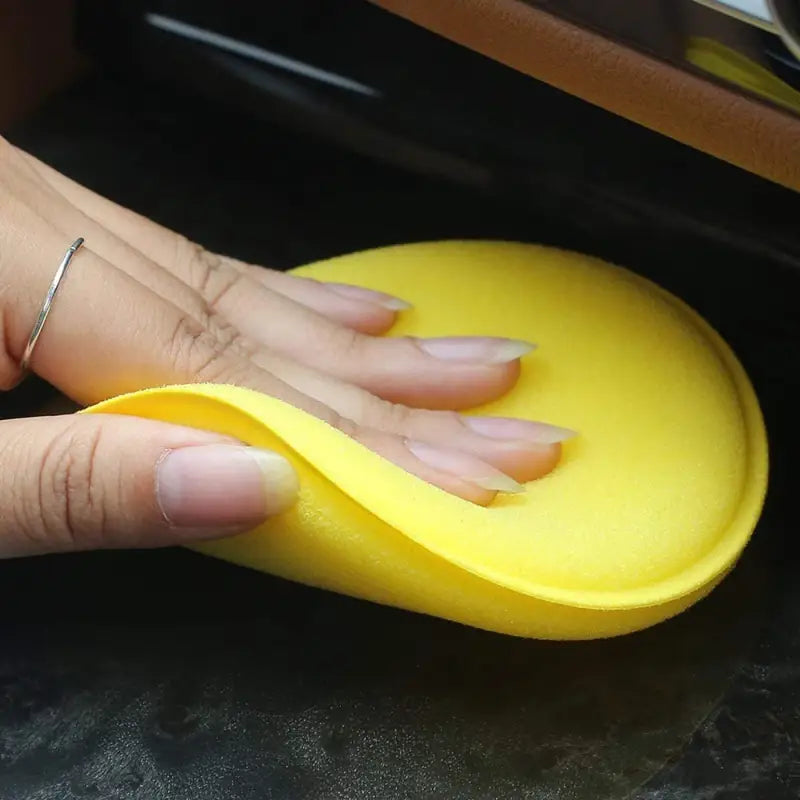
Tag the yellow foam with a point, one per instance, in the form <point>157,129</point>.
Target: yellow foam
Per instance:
<point>649,508</point>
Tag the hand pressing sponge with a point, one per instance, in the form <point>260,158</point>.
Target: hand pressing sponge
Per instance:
<point>649,508</point>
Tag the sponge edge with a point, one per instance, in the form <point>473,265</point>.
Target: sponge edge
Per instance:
<point>649,509</point>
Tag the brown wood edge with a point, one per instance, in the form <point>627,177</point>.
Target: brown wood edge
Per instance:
<point>702,114</point>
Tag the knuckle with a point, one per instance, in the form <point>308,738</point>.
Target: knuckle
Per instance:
<point>210,275</point>
<point>72,511</point>
<point>387,416</point>
<point>406,421</point>
<point>186,261</point>
<point>215,351</point>
<point>197,263</point>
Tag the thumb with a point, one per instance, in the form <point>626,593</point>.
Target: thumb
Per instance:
<point>80,482</point>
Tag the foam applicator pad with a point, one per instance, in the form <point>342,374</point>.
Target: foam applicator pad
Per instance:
<point>648,509</point>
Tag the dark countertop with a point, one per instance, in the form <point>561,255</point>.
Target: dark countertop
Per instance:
<point>168,675</point>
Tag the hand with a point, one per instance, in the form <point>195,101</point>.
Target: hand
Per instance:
<point>144,307</point>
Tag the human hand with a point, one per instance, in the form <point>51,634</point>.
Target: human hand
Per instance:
<point>143,307</point>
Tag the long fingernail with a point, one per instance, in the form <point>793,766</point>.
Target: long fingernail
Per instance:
<point>369,296</point>
<point>463,466</point>
<point>476,349</point>
<point>507,429</point>
<point>223,486</point>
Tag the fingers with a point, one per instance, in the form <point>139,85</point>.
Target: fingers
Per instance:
<point>154,241</point>
<point>461,372</point>
<point>275,310</point>
<point>522,449</point>
<point>71,219</point>
<point>362,309</point>
<point>107,334</point>
<point>355,307</point>
<point>451,470</point>
<point>80,482</point>
<point>115,330</point>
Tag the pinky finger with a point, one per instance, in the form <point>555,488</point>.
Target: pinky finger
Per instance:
<point>453,471</point>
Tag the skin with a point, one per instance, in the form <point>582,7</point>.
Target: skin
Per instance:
<point>142,306</point>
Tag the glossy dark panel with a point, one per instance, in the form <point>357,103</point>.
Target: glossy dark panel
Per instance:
<point>352,38</point>
<point>431,106</point>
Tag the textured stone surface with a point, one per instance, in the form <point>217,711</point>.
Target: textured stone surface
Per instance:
<point>219,683</point>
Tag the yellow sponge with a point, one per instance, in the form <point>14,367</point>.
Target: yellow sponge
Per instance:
<point>649,508</point>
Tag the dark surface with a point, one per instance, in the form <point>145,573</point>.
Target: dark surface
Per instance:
<point>168,675</point>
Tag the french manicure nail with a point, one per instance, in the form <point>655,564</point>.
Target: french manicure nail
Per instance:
<point>223,487</point>
<point>508,429</point>
<point>463,466</point>
<point>369,296</point>
<point>476,349</point>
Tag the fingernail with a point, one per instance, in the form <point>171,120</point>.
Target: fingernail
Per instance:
<point>476,349</point>
<point>463,466</point>
<point>507,429</point>
<point>369,296</point>
<point>222,486</point>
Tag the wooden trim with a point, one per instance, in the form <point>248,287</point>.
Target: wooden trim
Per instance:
<point>680,105</point>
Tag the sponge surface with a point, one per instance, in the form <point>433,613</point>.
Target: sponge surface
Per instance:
<point>650,506</point>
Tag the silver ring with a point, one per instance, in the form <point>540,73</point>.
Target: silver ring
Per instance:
<point>47,305</point>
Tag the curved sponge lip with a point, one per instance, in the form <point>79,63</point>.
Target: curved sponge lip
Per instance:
<point>434,520</point>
